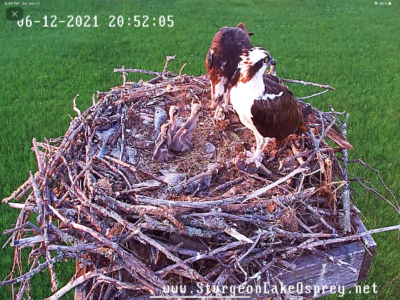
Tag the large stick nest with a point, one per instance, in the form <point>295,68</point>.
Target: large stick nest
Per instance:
<point>136,225</point>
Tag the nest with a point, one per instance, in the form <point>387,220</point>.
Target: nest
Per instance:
<point>135,226</point>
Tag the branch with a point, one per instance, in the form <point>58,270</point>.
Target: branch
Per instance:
<point>322,86</point>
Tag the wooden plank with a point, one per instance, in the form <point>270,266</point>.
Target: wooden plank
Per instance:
<point>312,270</point>
<point>369,243</point>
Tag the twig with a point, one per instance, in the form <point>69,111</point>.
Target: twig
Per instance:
<point>353,237</point>
<point>74,105</point>
<point>180,71</point>
<point>141,71</point>
<point>377,172</point>
<point>313,95</point>
<point>322,86</point>
<point>81,279</point>
<point>29,274</point>
<point>167,60</point>
<point>346,190</point>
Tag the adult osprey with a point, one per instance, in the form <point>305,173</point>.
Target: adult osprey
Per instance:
<point>222,60</point>
<point>266,107</point>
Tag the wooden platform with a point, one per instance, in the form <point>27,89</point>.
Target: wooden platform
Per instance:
<point>315,271</point>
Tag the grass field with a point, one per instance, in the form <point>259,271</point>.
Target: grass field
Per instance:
<point>351,45</point>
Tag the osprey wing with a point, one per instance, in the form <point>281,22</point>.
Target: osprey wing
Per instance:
<point>276,114</point>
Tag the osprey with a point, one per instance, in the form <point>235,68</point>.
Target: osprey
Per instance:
<point>265,106</point>
<point>222,60</point>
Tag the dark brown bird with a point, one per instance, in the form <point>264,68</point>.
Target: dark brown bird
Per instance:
<point>265,106</point>
<point>222,60</point>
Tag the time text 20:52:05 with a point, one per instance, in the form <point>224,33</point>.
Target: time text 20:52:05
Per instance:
<point>89,21</point>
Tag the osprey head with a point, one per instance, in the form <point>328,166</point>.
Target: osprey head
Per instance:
<point>256,55</point>
<point>243,27</point>
<point>254,61</point>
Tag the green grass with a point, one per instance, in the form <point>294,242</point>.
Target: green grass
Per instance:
<point>351,45</point>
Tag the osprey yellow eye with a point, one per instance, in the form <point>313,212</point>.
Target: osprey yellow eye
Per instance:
<point>266,59</point>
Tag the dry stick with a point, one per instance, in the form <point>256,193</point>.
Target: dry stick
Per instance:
<point>24,285</point>
<point>28,242</point>
<point>145,238</point>
<point>77,281</point>
<point>250,249</point>
<point>297,248</point>
<point>206,174</point>
<point>322,86</point>
<point>19,219</point>
<point>38,158</point>
<point>122,137</point>
<point>119,284</point>
<point>84,170</point>
<point>316,144</point>
<point>29,274</point>
<point>123,76</point>
<point>158,78</point>
<point>295,152</point>
<point>141,71</point>
<point>200,256</point>
<point>53,276</point>
<point>316,213</point>
<point>131,264</point>
<point>346,190</point>
<point>20,192</point>
<point>76,248</point>
<point>180,71</point>
<point>229,184</point>
<point>323,134</point>
<point>377,193</point>
<point>207,204</point>
<point>259,273</point>
<point>74,105</point>
<point>307,153</point>
<point>387,284</point>
<point>313,95</point>
<point>45,223</point>
<point>167,60</point>
<point>377,172</point>
<point>142,209</point>
<point>115,170</point>
<point>34,227</point>
<point>154,92</point>
<point>352,237</point>
<point>133,169</point>
<point>37,197</point>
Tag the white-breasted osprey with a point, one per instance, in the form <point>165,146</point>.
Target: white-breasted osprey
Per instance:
<point>222,60</point>
<point>266,107</point>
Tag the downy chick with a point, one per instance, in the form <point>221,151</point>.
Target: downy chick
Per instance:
<point>181,141</point>
<point>161,150</point>
<point>173,125</point>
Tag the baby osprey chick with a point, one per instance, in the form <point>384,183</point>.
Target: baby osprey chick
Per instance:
<point>181,142</point>
<point>161,150</point>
